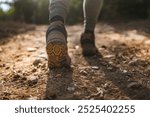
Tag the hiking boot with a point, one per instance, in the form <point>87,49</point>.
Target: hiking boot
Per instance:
<point>56,46</point>
<point>88,44</point>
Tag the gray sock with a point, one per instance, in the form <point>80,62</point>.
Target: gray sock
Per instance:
<point>58,8</point>
<point>91,10</point>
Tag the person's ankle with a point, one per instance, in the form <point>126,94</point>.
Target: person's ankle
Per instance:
<point>88,31</point>
<point>56,19</point>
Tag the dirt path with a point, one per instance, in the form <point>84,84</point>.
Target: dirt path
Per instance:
<point>122,73</point>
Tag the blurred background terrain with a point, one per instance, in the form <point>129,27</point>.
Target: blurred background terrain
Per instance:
<point>36,11</point>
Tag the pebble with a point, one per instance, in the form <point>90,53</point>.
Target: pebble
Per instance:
<point>95,67</point>
<point>71,88</point>
<point>124,71</point>
<point>109,56</point>
<point>77,47</point>
<point>111,62</point>
<point>32,81</point>
<point>31,49</point>
<point>32,98</point>
<point>37,62</point>
<point>147,42</point>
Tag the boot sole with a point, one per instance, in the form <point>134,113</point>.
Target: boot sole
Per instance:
<point>57,55</point>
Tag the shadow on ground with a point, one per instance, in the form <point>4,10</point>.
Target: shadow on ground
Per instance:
<point>123,80</point>
<point>60,85</point>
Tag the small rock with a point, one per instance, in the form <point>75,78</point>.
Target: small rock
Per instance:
<point>95,67</point>
<point>32,81</point>
<point>71,88</point>
<point>77,47</point>
<point>72,66</point>
<point>36,62</point>
<point>109,56</point>
<point>133,85</point>
<point>99,94</point>
<point>147,42</point>
<point>124,71</point>
<point>31,49</point>
<point>111,62</point>
<point>32,98</point>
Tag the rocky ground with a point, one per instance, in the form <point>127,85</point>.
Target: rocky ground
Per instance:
<point>122,73</point>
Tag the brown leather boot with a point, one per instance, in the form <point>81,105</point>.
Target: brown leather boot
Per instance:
<point>88,44</point>
<point>56,46</point>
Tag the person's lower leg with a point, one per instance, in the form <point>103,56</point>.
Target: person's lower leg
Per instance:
<point>56,36</point>
<point>58,10</point>
<point>91,10</point>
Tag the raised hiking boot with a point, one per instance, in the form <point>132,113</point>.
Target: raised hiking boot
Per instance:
<point>88,44</point>
<point>56,46</point>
